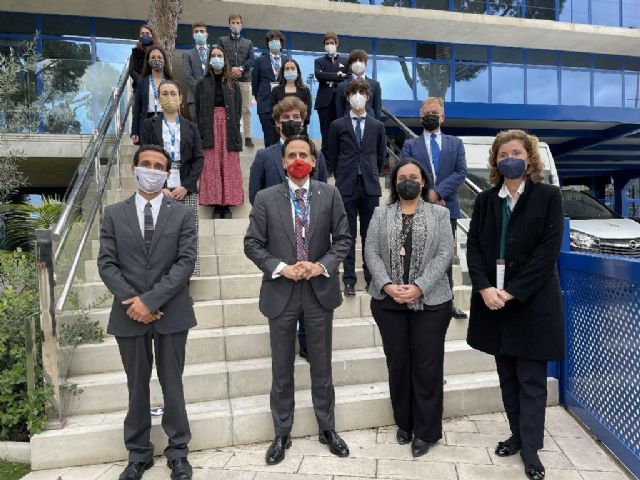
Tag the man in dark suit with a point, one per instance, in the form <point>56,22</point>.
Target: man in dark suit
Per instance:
<point>264,77</point>
<point>195,65</point>
<point>147,255</point>
<point>330,70</point>
<point>444,158</point>
<point>298,235</point>
<point>357,64</point>
<point>357,152</point>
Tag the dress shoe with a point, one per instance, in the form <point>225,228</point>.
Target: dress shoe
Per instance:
<point>349,290</point>
<point>457,313</point>
<point>180,469</point>
<point>304,353</point>
<point>419,447</point>
<point>337,445</point>
<point>403,437</point>
<point>276,451</point>
<point>508,447</point>
<point>533,466</point>
<point>248,142</point>
<point>535,472</point>
<point>217,212</point>
<point>226,212</point>
<point>135,470</point>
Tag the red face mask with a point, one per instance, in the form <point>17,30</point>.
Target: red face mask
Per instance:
<point>299,169</point>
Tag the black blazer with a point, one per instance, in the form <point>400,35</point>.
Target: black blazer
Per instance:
<point>205,97</point>
<point>374,104</point>
<point>531,325</point>
<point>344,155</point>
<point>191,158</point>
<point>261,79</point>
<point>136,62</point>
<point>326,72</point>
<point>303,94</point>
<point>140,105</point>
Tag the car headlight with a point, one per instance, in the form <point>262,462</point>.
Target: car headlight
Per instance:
<point>583,240</point>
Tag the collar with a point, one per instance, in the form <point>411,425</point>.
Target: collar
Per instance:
<point>363,77</point>
<point>438,133</point>
<point>273,55</point>
<point>504,191</point>
<point>235,36</point>
<point>354,116</point>
<point>141,201</point>
<point>293,187</point>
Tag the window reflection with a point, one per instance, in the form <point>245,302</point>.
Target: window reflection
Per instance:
<point>631,13</point>
<point>505,8</point>
<point>607,89</point>
<point>470,6</point>
<point>395,79</point>
<point>605,12</point>
<point>434,80</point>
<point>543,9</point>
<point>507,84</point>
<point>433,4</point>
<point>113,52</point>
<point>542,86</point>
<point>472,83</point>
<point>632,89</point>
<point>576,87</point>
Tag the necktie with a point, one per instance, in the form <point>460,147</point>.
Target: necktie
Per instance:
<point>148,226</point>
<point>302,250</point>
<point>435,155</point>
<point>359,138</point>
<point>276,65</point>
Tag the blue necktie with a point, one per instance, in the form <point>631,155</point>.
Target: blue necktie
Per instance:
<point>359,138</point>
<point>435,155</point>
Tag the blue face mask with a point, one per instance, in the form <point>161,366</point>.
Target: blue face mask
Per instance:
<point>512,167</point>
<point>200,38</point>
<point>290,75</point>
<point>217,63</point>
<point>274,45</point>
<point>146,40</point>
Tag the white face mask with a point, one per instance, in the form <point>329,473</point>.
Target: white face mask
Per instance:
<point>330,49</point>
<point>357,101</point>
<point>358,67</point>
<point>149,180</point>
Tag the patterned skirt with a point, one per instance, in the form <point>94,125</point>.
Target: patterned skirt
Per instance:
<point>191,200</point>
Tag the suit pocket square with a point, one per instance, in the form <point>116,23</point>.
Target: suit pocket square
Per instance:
<point>341,65</point>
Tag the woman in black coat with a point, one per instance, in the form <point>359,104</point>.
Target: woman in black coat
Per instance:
<point>290,83</point>
<point>516,228</point>
<point>136,61</point>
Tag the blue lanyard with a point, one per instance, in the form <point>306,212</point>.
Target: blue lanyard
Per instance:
<point>172,133</point>
<point>304,217</point>
<point>155,92</point>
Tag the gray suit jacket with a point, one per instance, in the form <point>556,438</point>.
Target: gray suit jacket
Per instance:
<point>160,278</point>
<point>438,253</point>
<point>270,240</point>
<point>192,72</point>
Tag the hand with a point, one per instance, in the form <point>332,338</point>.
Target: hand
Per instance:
<point>342,74</point>
<point>395,292</point>
<point>135,139</point>
<point>137,309</point>
<point>179,193</point>
<point>292,272</point>
<point>236,72</point>
<point>492,298</point>
<point>505,296</point>
<point>152,317</point>
<point>167,193</point>
<point>433,196</point>
<point>442,203</point>
<point>310,269</point>
<point>409,293</point>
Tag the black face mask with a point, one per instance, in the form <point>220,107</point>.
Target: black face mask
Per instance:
<point>409,189</point>
<point>431,122</point>
<point>291,128</point>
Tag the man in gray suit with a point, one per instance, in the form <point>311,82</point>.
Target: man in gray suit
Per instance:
<point>147,255</point>
<point>298,235</point>
<point>195,65</point>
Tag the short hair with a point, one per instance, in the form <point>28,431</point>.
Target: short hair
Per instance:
<point>428,100</point>
<point>286,105</point>
<point>356,55</point>
<point>393,194</point>
<point>233,16</point>
<point>274,35</point>
<point>152,148</point>
<point>330,36</point>
<point>170,82</point>
<point>358,85</point>
<point>304,138</point>
<point>198,25</point>
<point>535,170</point>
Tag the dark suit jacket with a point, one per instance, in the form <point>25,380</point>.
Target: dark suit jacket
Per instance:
<point>240,54</point>
<point>344,155</point>
<point>192,72</point>
<point>267,170</point>
<point>191,158</point>
<point>452,170</point>
<point>261,79</point>
<point>270,239</point>
<point>160,277</point>
<point>374,104</point>
<point>531,325</point>
<point>136,62</point>
<point>303,94</point>
<point>140,105</point>
<point>326,72</point>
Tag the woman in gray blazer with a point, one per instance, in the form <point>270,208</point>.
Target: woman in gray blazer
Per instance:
<point>409,249</point>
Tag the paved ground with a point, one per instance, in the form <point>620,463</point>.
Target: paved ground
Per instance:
<point>465,453</point>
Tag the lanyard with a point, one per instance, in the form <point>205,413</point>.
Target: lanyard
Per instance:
<point>155,92</point>
<point>172,133</point>
<point>506,215</point>
<point>203,56</point>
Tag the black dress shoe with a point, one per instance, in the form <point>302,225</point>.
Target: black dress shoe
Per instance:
<point>457,313</point>
<point>180,469</point>
<point>217,212</point>
<point>248,142</point>
<point>508,447</point>
<point>304,353</point>
<point>276,451</point>
<point>349,290</point>
<point>419,447</point>
<point>226,212</point>
<point>403,437</point>
<point>532,465</point>
<point>135,470</point>
<point>337,445</point>
<point>535,472</point>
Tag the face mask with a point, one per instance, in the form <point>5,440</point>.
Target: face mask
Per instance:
<point>290,75</point>
<point>274,45</point>
<point>235,29</point>
<point>291,128</point>
<point>217,63</point>
<point>409,189</point>
<point>431,122</point>
<point>357,101</point>
<point>299,169</point>
<point>156,64</point>
<point>200,38</point>
<point>512,167</point>
<point>330,49</point>
<point>358,67</point>
<point>170,104</point>
<point>149,180</point>
<point>146,40</point>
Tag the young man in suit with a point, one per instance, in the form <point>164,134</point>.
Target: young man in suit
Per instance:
<point>444,158</point>
<point>357,152</point>
<point>357,64</point>
<point>239,52</point>
<point>147,255</point>
<point>298,235</point>
<point>265,73</point>
<point>330,71</point>
<point>195,65</point>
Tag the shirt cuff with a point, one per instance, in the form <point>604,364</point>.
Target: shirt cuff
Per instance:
<point>326,274</point>
<point>278,271</point>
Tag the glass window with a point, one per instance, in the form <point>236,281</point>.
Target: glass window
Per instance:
<point>507,84</point>
<point>394,47</point>
<point>543,10</point>
<point>607,62</point>
<point>607,89</point>
<point>63,25</point>
<point>354,43</point>
<point>631,13</point>
<point>632,89</point>
<point>431,4</point>
<point>395,79</point>
<point>505,8</point>
<point>107,28</point>
<point>116,53</point>
<point>574,11</point>
<point>309,42</point>
<point>576,87</point>
<point>570,59</point>
<point>433,51</point>
<point>541,57</point>
<point>472,83</point>
<point>469,53</point>
<point>17,23</point>
<point>631,63</point>
<point>470,6</point>
<point>542,86</point>
<point>66,49</point>
<point>434,80</point>
<point>507,55</point>
<point>256,36</point>
<point>605,12</point>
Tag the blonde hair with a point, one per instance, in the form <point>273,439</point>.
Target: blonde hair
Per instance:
<point>428,100</point>
<point>535,170</point>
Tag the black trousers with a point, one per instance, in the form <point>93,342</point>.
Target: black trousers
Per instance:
<point>414,346</point>
<point>454,228</point>
<point>268,129</point>
<point>523,384</point>
<point>137,358</point>
<point>326,116</point>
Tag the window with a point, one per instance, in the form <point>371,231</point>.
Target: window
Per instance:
<point>469,53</point>
<point>121,29</point>
<point>309,42</point>
<point>434,80</point>
<point>17,23</point>
<point>507,84</point>
<point>394,47</point>
<point>570,59</point>
<point>607,89</point>
<point>631,13</point>
<point>62,25</point>
<point>574,11</point>
<point>353,43</point>
<point>507,55</point>
<point>472,83</point>
<point>542,86</point>
<point>605,12</point>
<point>632,89</point>
<point>542,57</point>
<point>395,79</point>
<point>470,6</point>
<point>505,8</point>
<point>432,4</point>
<point>433,51</point>
<point>576,87</point>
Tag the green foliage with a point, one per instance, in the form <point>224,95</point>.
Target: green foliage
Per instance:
<point>80,329</point>
<point>13,471</point>
<point>21,220</point>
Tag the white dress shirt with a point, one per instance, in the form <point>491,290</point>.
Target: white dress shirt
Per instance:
<point>354,123</point>
<point>166,138</point>
<point>505,193</point>
<point>141,202</point>
<point>154,106</point>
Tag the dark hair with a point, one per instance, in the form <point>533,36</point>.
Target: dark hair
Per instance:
<point>274,35</point>
<point>358,85</point>
<point>171,82</point>
<point>234,16</point>
<point>288,103</point>
<point>330,36</point>
<point>152,148</point>
<point>153,36</point>
<point>299,83</point>
<point>308,141</point>
<point>393,195</point>
<point>146,69</point>
<point>226,70</point>
<point>356,55</point>
<point>198,25</point>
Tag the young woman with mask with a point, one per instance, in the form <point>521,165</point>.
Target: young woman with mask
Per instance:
<point>408,251</point>
<point>136,61</point>
<point>147,100</point>
<point>179,137</point>
<point>516,305</point>
<point>290,83</point>
<point>218,110</point>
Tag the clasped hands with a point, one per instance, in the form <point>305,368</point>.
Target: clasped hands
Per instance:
<point>177,193</point>
<point>302,271</point>
<point>139,312</point>
<point>494,298</point>
<point>403,293</point>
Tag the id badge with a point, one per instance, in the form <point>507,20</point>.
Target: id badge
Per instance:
<point>500,274</point>
<point>174,179</point>
<point>274,85</point>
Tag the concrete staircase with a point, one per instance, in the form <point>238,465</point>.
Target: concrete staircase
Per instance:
<point>228,366</point>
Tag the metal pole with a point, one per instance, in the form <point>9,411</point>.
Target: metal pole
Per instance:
<point>30,347</point>
<point>118,126</point>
